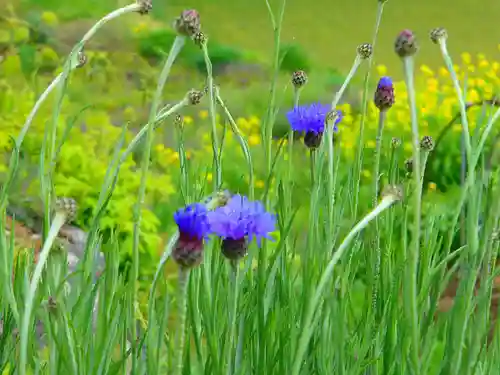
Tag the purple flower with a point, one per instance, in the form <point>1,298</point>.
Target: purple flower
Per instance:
<point>384,94</point>
<point>192,221</point>
<point>311,118</point>
<point>241,218</point>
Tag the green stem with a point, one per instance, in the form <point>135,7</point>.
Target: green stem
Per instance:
<point>181,327</point>
<point>414,252</point>
<point>25,333</point>
<point>376,188</point>
<point>364,105</point>
<point>312,159</point>
<point>232,323</point>
<point>217,171</point>
<point>296,98</point>
<point>174,52</point>
<point>243,144</point>
<point>307,326</point>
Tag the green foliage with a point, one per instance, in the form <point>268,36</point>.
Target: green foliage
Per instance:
<point>294,57</point>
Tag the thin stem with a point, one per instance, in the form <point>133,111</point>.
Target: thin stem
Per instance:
<point>291,134</point>
<point>458,90</point>
<point>312,159</point>
<point>359,156</point>
<point>174,52</point>
<point>376,188</point>
<point>57,224</point>
<point>307,327</point>
<point>217,171</point>
<point>243,144</point>
<point>414,252</point>
<point>181,314</point>
<point>233,314</point>
<point>350,75</point>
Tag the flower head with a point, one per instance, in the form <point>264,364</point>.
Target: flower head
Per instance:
<point>241,218</point>
<point>310,118</point>
<point>192,221</point>
<point>188,23</point>
<point>384,94</point>
<point>406,44</point>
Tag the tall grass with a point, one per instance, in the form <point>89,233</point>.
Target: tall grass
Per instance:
<point>302,304</point>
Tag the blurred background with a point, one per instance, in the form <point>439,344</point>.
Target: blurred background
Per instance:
<point>320,37</point>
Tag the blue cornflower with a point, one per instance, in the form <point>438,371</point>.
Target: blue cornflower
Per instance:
<point>194,227</point>
<point>384,94</point>
<point>238,221</point>
<point>311,120</point>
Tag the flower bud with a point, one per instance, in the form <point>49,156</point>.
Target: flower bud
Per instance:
<point>427,143</point>
<point>384,94</point>
<point>66,207</point>
<point>299,79</point>
<point>409,165</point>
<point>365,50</point>
<point>395,142</point>
<point>394,191</point>
<point>200,39</point>
<point>188,23</point>
<point>437,34</point>
<point>406,44</point>
<point>145,6</point>
<point>81,59</point>
<point>194,97</point>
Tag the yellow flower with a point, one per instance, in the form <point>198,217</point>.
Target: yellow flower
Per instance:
<point>432,186</point>
<point>370,144</point>
<point>426,70</point>
<point>254,140</point>
<point>188,120</point>
<point>381,70</point>
<point>466,58</point>
<point>443,72</point>
<point>259,184</point>
<point>209,177</point>
<point>203,114</point>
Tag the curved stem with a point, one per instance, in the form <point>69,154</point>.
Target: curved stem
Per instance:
<point>307,326</point>
<point>57,224</point>
<point>174,52</point>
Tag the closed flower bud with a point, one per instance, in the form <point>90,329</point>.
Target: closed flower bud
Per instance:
<point>384,94</point>
<point>395,142</point>
<point>66,207</point>
<point>200,38</point>
<point>299,79</point>
<point>406,44</point>
<point>188,23</point>
<point>427,143</point>
<point>313,140</point>
<point>81,59</point>
<point>365,50</point>
<point>394,191</point>
<point>194,97</point>
<point>409,165</point>
<point>145,6</point>
<point>437,34</point>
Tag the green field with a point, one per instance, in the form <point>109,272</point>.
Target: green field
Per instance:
<point>328,29</point>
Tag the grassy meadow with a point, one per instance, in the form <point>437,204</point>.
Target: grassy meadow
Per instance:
<point>372,251</point>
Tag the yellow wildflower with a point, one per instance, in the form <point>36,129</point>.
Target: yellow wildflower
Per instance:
<point>426,70</point>
<point>203,114</point>
<point>466,58</point>
<point>188,120</point>
<point>209,177</point>
<point>381,70</point>
<point>259,184</point>
<point>432,186</point>
<point>254,140</point>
